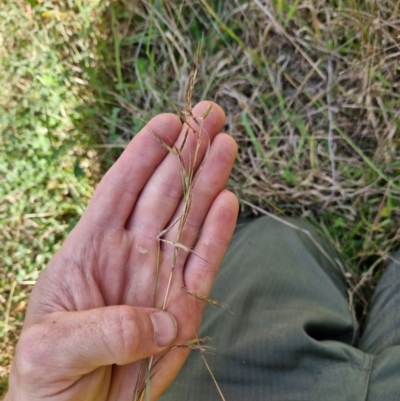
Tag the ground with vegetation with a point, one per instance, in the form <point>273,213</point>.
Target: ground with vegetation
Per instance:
<point>310,89</point>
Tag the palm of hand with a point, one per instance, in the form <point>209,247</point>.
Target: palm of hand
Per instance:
<point>111,257</point>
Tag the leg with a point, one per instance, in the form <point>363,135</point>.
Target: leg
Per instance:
<point>292,333</point>
<point>382,329</point>
<point>382,335</point>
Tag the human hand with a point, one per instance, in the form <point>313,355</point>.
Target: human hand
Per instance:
<point>90,319</point>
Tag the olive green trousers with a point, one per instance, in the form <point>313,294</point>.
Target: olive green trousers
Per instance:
<point>293,335</point>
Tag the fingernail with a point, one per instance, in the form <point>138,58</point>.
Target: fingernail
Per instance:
<point>165,328</point>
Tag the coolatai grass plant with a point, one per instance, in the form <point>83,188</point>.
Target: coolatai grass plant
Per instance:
<point>190,169</point>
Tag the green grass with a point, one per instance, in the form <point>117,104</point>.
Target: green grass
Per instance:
<point>48,165</point>
<point>81,75</point>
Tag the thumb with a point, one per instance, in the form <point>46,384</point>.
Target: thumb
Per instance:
<point>80,342</point>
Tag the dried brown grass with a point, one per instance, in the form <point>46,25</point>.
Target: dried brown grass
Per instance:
<point>189,171</point>
<point>311,93</point>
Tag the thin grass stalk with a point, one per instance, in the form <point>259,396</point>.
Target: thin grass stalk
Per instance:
<point>213,377</point>
<point>189,177</point>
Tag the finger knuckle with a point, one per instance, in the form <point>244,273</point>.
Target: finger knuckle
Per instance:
<point>30,353</point>
<point>130,331</point>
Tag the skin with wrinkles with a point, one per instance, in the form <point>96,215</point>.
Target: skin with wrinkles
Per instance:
<point>89,321</point>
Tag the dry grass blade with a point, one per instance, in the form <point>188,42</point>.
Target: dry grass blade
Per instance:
<point>172,149</point>
<point>331,124</point>
<point>196,344</point>
<point>189,174</point>
<point>213,377</point>
<point>207,300</point>
<point>157,274</point>
<point>183,247</point>
<point>186,112</point>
